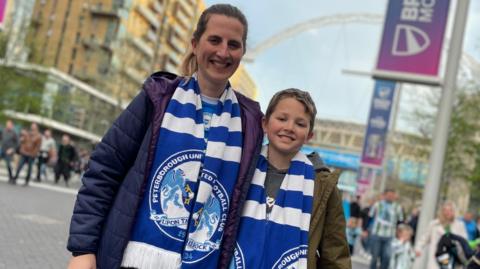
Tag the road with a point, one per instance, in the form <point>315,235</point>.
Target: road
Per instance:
<point>35,220</point>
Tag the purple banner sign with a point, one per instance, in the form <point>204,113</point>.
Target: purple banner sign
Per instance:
<point>3,7</point>
<point>377,127</point>
<point>412,40</point>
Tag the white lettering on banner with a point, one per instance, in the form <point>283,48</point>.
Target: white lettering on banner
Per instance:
<point>417,10</point>
<point>378,123</point>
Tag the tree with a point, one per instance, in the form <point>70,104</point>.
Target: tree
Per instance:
<point>21,90</point>
<point>462,156</point>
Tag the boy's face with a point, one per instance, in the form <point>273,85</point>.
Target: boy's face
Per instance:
<point>288,128</point>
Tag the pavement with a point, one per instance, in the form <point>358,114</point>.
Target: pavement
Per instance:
<point>35,221</point>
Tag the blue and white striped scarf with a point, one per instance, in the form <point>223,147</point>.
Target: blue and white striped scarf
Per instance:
<point>183,213</point>
<point>281,239</point>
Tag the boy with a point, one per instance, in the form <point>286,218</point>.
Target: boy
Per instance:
<point>402,251</point>
<point>284,219</point>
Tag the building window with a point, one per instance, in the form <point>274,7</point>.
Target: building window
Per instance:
<point>74,54</point>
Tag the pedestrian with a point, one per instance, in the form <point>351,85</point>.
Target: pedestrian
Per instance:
<point>353,231</point>
<point>355,211</point>
<point>402,255</point>
<point>66,158</point>
<point>445,222</point>
<point>366,225</point>
<point>9,145</point>
<point>386,214</point>
<point>470,226</point>
<point>46,148</point>
<point>412,221</point>
<point>165,186</point>
<point>30,142</point>
<point>293,216</point>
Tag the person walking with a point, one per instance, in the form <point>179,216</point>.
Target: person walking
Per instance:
<point>446,222</point>
<point>386,214</point>
<point>29,147</point>
<point>9,145</point>
<point>66,157</point>
<point>165,186</point>
<point>47,148</point>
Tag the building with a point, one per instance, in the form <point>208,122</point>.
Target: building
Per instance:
<point>114,45</point>
<point>244,83</point>
<point>15,25</point>
<point>340,145</point>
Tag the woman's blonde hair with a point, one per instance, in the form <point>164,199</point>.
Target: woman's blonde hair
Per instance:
<point>189,64</point>
<point>441,217</point>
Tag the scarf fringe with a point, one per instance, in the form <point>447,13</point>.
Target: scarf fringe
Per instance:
<point>144,256</point>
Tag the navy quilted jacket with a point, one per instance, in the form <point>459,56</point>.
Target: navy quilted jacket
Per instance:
<point>113,185</point>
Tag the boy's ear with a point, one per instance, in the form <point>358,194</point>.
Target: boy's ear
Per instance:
<point>309,136</point>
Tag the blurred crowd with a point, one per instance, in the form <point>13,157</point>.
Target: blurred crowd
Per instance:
<point>39,152</point>
<point>385,235</point>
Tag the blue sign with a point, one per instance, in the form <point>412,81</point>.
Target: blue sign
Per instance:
<point>335,159</point>
<point>377,127</point>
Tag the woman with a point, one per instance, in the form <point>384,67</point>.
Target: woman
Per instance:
<point>445,222</point>
<point>165,186</point>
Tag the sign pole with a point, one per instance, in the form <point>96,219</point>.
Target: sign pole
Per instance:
<point>437,156</point>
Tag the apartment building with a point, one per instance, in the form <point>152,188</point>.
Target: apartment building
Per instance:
<point>114,45</point>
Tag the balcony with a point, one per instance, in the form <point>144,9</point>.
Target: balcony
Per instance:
<point>105,12</point>
<point>148,15</point>
<point>187,7</point>
<point>93,44</point>
<point>157,7</point>
<point>178,45</point>
<point>169,67</point>
<point>152,36</point>
<point>183,19</point>
<point>134,75</point>
<point>180,31</point>
<point>142,46</point>
<point>175,58</point>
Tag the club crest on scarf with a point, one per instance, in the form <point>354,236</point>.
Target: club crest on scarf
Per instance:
<point>171,193</point>
<point>208,221</point>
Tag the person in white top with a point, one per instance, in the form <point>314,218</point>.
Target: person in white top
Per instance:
<point>445,222</point>
<point>47,149</point>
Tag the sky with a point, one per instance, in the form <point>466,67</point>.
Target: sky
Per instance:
<point>315,60</point>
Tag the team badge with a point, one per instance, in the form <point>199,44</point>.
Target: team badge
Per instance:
<point>208,220</point>
<point>171,192</point>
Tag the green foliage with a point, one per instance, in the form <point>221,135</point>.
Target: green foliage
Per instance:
<point>3,44</point>
<point>21,90</point>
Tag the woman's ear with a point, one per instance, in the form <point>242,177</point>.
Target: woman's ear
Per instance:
<point>264,124</point>
<point>194,42</point>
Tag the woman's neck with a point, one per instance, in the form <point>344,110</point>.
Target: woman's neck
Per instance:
<point>211,89</point>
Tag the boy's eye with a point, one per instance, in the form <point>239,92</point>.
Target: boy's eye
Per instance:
<point>302,124</point>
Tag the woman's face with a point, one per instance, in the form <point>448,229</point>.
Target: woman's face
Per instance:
<point>219,50</point>
<point>448,212</point>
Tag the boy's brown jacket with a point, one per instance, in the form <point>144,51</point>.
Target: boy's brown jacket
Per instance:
<point>327,225</point>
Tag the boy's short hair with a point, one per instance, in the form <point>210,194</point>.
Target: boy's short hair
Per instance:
<point>404,227</point>
<point>299,95</point>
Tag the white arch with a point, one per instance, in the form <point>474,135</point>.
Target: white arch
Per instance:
<point>368,18</point>
<point>468,61</point>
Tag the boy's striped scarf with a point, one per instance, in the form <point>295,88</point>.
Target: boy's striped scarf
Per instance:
<point>281,239</point>
<point>182,216</point>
